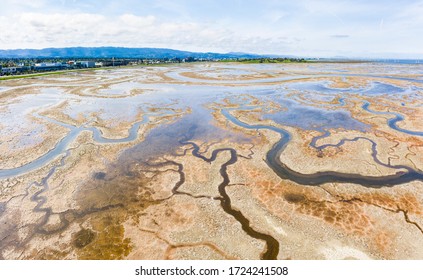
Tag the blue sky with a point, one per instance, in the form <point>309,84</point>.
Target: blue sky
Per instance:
<point>304,28</point>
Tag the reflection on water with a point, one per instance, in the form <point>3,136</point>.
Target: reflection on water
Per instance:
<point>382,88</point>
<point>323,87</point>
<point>312,118</point>
<point>166,139</point>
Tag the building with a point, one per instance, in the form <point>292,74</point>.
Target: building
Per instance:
<point>8,70</point>
<point>50,66</point>
<point>87,64</point>
<point>115,62</point>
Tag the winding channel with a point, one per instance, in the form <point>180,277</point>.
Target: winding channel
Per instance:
<point>62,145</point>
<point>272,245</point>
<point>392,122</point>
<point>283,171</point>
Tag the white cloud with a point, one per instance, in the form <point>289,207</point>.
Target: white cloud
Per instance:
<point>42,30</point>
<point>136,21</point>
<point>304,27</point>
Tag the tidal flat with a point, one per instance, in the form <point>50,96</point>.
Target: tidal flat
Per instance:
<point>214,161</point>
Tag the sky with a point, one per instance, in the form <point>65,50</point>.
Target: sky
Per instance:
<point>305,28</point>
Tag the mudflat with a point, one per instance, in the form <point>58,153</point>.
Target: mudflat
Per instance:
<point>214,161</point>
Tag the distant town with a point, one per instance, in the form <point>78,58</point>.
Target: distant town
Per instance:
<point>30,66</point>
<point>36,61</point>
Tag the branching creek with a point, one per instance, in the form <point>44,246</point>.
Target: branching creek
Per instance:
<point>272,245</point>
<point>283,171</point>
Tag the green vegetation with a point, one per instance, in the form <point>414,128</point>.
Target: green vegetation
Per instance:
<point>267,60</point>
<point>12,77</point>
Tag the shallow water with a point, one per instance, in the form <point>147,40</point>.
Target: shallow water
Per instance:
<point>312,118</point>
<point>115,105</point>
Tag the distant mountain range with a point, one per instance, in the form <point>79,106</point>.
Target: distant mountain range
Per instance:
<point>119,52</point>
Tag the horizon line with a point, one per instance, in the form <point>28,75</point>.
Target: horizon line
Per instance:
<point>265,55</point>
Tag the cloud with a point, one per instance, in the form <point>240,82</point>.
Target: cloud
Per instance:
<point>38,30</point>
<point>136,21</point>
<point>340,36</point>
<point>303,27</point>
